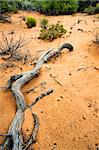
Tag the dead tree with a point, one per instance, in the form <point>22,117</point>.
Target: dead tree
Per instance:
<point>15,140</point>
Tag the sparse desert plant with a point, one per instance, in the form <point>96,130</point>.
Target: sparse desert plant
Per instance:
<point>52,32</point>
<point>10,46</point>
<point>44,23</point>
<point>30,21</point>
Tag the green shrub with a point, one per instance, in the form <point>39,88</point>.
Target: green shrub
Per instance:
<point>56,7</point>
<point>50,7</point>
<point>44,23</point>
<point>52,32</point>
<point>30,21</point>
<point>4,6</point>
<point>97,8</point>
<point>7,6</point>
<point>12,6</point>
<point>24,4</point>
<point>90,10</point>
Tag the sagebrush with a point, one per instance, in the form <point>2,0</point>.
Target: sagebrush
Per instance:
<point>52,32</point>
<point>30,21</point>
<point>44,23</point>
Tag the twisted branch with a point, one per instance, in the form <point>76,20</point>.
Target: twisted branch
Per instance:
<point>15,142</point>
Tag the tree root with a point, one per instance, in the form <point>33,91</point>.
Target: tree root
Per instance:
<point>15,141</point>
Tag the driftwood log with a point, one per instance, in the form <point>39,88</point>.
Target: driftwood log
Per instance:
<point>15,140</point>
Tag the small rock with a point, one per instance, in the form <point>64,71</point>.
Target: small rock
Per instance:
<point>83,117</point>
<point>61,96</point>
<point>42,111</point>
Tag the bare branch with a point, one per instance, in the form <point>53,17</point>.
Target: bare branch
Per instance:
<point>16,141</point>
<point>5,135</point>
<point>34,132</point>
<point>40,97</point>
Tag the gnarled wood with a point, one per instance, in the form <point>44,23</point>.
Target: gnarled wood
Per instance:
<point>15,142</point>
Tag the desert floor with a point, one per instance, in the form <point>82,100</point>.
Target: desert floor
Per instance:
<point>69,117</point>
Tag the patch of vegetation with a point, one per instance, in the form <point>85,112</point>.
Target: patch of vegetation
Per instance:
<point>30,21</point>
<point>52,32</point>
<point>83,4</point>
<point>44,23</point>
<point>7,6</point>
<point>90,10</point>
<point>97,9</point>
<point>24,5</point>
<point>57,7</point>
<point>51,7</point>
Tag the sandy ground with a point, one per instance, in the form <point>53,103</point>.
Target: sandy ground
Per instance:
<point>69,117</point>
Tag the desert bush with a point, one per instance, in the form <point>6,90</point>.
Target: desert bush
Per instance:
<point>90,10</point>
<point>52,32</point>
<point>57,7</point>
<point>7,6</point>
<point>87,6</point>
<point>30,21</point>
<point>4,6</point>
<point>44,23</point>
<point>11,49</point>
<point>13,6</point>
<point>50,7</point>
<point>24,4</point>
<point>9,45</point>
<point>97,8</point>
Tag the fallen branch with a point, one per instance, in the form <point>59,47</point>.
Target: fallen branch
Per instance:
<point>96,68</point>
<point>40,97</point>
<point>34,132</point>
<point>5,134</point>
<point>82,68</point>
<point>31,90</point>
<point>16,140</point>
